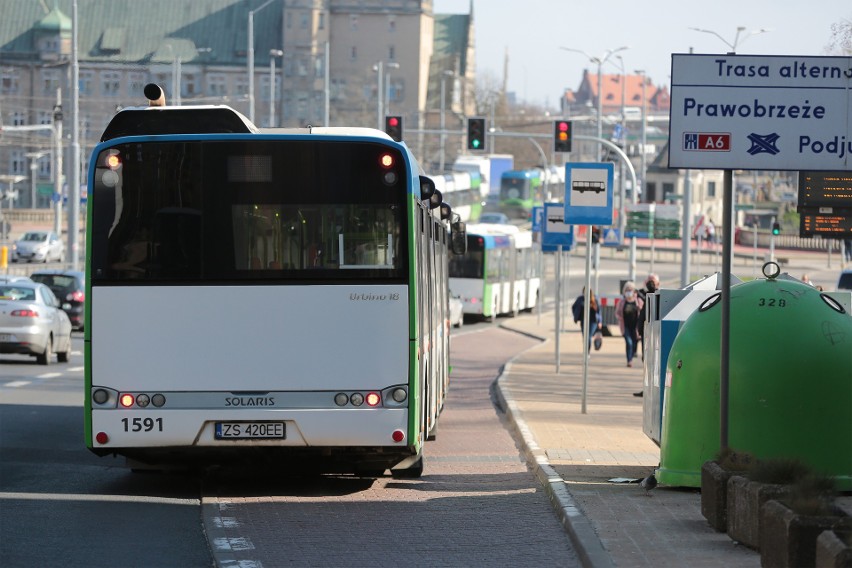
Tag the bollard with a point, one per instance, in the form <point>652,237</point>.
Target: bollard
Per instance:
<point>4,257</point>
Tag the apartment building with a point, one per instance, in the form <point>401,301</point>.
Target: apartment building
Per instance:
<point>314,62</point>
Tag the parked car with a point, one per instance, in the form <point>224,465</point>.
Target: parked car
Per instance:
<point>33,323</point>
<point>38,246</point>
<point>6,278</point>
<point>456,311</point>
<point>845,280</point>
<point>69,286</point>
<point>496,218</point>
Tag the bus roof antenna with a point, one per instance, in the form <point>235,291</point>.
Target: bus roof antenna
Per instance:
<point>155,95</point>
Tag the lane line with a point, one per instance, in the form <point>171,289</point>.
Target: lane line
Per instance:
<point>15,384</point>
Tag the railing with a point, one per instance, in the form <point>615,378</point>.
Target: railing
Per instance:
<point>746,237</point>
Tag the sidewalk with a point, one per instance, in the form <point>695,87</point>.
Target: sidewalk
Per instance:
<point>574,455</point>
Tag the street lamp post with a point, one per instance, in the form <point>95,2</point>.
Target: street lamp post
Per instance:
<point>391,65</point>
<point>446,73</point>
<point>273,53</point>
<point>599,61</point>
<point>727,254</point>
<point>34,158</point>
<point>250,56</point>
<point>379,69</point>
<point>737,40</point>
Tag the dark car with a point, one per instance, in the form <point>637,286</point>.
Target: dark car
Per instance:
<point>69,286</point>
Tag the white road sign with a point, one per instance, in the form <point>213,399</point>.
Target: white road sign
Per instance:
<point>761,112</point>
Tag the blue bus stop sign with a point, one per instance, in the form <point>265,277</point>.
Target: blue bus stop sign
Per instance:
<point>555,232</point>
<point>588,193</point>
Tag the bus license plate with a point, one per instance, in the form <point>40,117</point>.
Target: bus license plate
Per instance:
<point>249,430</point>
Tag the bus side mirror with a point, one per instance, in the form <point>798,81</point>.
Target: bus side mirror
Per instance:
<point>427,188</point>
<point>436,199</point>
<point>458,237</point>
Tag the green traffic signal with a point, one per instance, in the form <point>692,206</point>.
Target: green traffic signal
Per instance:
<point>776,229</point>
<point>475,133</point>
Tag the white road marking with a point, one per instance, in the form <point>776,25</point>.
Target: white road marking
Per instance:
<point>235,543</point>
<point>225,522</point>
<point>75,369</point>
<point>15,384</point>
<point>48,375</point>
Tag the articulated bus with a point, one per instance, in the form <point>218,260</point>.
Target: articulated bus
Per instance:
<point>499,273</point>
<point>520,190</point>
<point>461,190</point>
<point>276,295</point>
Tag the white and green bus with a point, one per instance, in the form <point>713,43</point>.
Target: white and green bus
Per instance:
<point>499,273</point>
<point>278,295</point>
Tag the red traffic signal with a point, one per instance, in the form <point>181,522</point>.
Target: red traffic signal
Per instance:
<point>562,136</point>
<point>393,127</point>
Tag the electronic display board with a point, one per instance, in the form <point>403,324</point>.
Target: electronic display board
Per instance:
<point>825,221</point>
<point>825,189</point>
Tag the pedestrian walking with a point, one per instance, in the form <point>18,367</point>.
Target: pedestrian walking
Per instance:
<point>594,315</point>
<point>652,284</point>
<point>711,233</point>
<point>847,248</point>
<point>627,314</point>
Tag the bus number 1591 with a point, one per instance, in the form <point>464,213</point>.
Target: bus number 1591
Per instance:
<point>142,424</point>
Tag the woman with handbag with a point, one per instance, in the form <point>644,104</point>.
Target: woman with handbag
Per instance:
<point>627,313</point>
<point>594,317</point>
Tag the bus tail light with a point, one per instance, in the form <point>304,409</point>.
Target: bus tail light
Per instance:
<point>373,399</point>
<point>126,400</point>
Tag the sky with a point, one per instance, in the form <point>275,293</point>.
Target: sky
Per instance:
<point>533,31</point>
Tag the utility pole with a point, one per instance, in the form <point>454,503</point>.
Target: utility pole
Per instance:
<point>57,164</point>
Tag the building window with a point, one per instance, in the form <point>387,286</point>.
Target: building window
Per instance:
<point>110,83</point>
<point>321,23</point>
<point>668,191</point>
<point>217,85</point>
<point>353,22</point>
<point>135,83</point>
<point>50,81</point>
<point>353,55</point>
<point>45,117</point>
<point>303,20</point>
<point>18,163</point>
<point>85,86</point>
<point>189,85</point>
<point>711,189</point>
<point>9,82</point>
<point>391,23</point>
<point>391,53</point>
<point>319,63</point>
<point>18,118</point>
<point>650,192</point>
<point>44,170</point>
<point>241,85</point>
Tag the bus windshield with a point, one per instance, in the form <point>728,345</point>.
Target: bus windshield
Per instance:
<point>248,210</point>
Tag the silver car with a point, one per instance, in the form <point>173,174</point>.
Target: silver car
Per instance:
<point>38,246</point>
<point>32,322</point>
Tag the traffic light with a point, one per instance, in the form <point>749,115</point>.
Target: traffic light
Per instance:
<point>776,228</point>
<point>393,127</point>
<point>596,235</point>
<point>476,134</point>
<point>561,136</point>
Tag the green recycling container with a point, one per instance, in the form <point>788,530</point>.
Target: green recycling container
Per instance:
<point>790,382</point>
